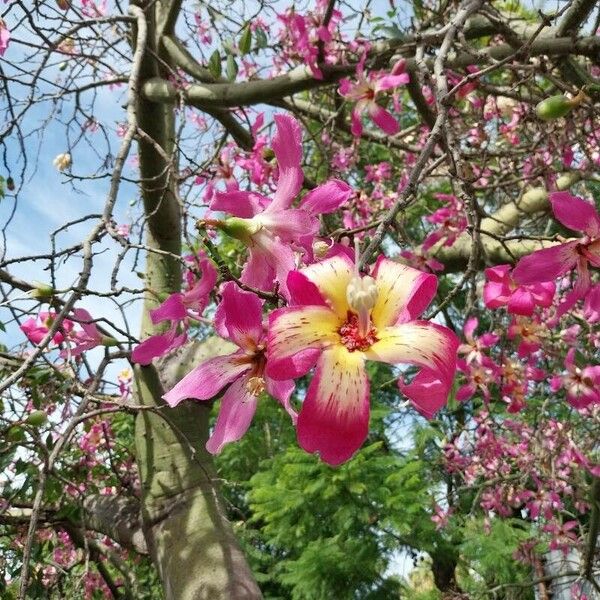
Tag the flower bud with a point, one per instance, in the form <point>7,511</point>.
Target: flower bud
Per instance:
<point>10,184</point>
<point>108,341</point>
<point>41,291</point>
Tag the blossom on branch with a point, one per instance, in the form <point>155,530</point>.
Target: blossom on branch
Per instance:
<point>551,263</point>
<point>337,320</point>
<point>239,319</point>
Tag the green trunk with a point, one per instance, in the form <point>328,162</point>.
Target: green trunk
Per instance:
<point>188,535</point>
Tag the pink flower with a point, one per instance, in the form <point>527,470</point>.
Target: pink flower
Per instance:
<point>338,320</point>
<point>501,290</point>
<point>581,384</point>
<point>4,37</point>
<point>550,263</point>
<point>36,328</point>
<point>240,319</point>
<point>86,338</point>
<point>451,218</point>
<point>178,308</point>
<point>270,228</point>
<point>365,91</point>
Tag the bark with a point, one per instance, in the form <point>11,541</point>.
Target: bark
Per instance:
<point>187,532</point>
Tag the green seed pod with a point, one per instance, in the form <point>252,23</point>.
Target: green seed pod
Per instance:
<point>15,434</point>
<point>554,107</point>
<point>37,418</point>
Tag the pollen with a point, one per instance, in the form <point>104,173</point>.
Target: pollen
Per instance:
<point>351,336</point>
<point>256,386</point>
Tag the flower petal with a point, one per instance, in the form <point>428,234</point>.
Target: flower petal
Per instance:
<point>428,393</point>
<point>157,345</point>
<point>303,291</point>
<point>404,292</point>
<point>287,145</point>
<point>289,224</point>
<point>391,81</point>
<point>420,343</point>
<point>172,309</point>
<point>521,302</point>
<point>243,316</point>
<point>383,119</point>
<point>332,277</point>
<point>237,408</point>
<point>282,391</point>
<point>295,329</point>
<point>208,378</point>
<point>326,198</point>
<point>546,264</point>
<point>334,420</point>
<point>575,213</point>
<point>239,204</point>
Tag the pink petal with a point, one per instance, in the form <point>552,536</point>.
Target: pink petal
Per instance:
<point>383,119</point>
<point>521,302</point>
<point>575,213</point>
<point>287,145</point>
<point>282,391</point>
<point>326,198</point>
<point>465,392</point>
<point>420,343</point>
<point>243,316</point>
<point>332,276</point>
<point>294,366</point>
<point>427,392</point>
<point>356,128</point>
<point>388,82</point>
<point>157,345</point>
<point>334,420</point>
<point>591,306</point>
<point>295,329</point>
<point>172,309</point>
<point>289,224</point>
<point>239,204</point>
<point>302,290</point>
<point>403,292</point>
<point>207,379</point>
<point>237,408</point>
<point>269,260</point>
<point>547,264</point>
<point>84,318</point>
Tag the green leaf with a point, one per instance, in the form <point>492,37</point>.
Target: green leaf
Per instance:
<point>214,64</point>
<point>245,41</point>
<point>260,38</point>
<point>2,328</point>
<point>232,68</point>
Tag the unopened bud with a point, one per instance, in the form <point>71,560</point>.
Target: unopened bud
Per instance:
<point>41,291</point>
<point>63,4</point>
<point>108,341</point>
<point>268,154</point>
<point>10,184</point>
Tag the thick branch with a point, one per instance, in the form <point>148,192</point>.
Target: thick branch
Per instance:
<point>301,79</point>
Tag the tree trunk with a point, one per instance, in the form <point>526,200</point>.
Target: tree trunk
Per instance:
<point>188,534</point>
